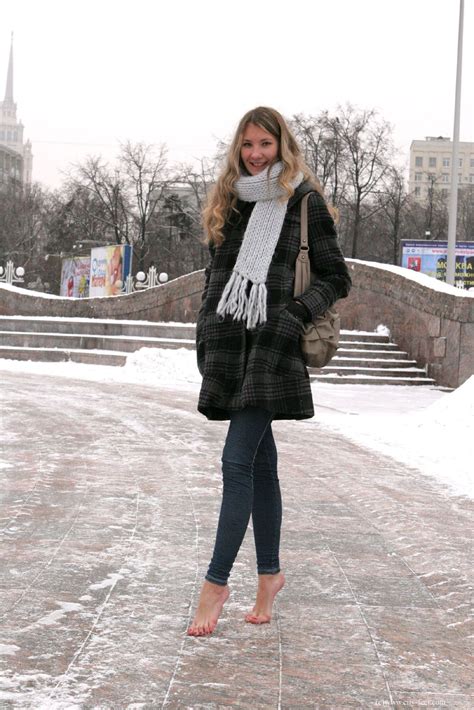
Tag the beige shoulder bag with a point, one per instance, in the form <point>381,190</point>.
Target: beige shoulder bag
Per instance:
<point>321,336</point>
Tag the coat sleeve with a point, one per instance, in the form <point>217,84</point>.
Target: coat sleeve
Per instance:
<point>207,275</point>
<point>200,345</point>
<point>331,279</point>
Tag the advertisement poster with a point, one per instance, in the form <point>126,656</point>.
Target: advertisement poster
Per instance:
<point>429,257</point>
<point>75,273</point>
<point>110,266</point>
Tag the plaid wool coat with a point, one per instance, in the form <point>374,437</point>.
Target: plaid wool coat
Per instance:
<point>264,367</point>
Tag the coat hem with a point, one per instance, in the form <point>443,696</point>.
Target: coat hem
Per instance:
<point>216,413</point>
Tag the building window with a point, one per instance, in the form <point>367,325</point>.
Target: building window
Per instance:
<point>417,191</point>
<point>419,161</point>
<point>9,136</point>
<point>418,177</point>
<point>471,179</point>
<point>444,192</point>
<point>471,163</point>
<point>432,162</point>
<point>446,162</point>
<point>460,162</point>
<point>15,136</point>
<point>2,135</point>
<point>445,177</point>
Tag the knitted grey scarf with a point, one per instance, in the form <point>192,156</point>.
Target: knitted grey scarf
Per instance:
<point>257,248</point>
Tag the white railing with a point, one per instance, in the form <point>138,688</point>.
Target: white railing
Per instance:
<point>142,280</point>
<point>10,275</point>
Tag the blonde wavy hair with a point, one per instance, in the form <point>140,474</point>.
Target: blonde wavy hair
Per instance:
<point>223,197</point>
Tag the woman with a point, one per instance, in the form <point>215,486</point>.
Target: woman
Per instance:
<point>247,338</point>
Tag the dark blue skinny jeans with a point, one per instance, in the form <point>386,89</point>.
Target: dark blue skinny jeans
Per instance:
<point>250,487</point>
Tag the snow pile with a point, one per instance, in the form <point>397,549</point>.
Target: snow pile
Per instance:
<point>159,366</point>
<point>457,409</point>
<point>436,439</point>
<point>383,330</point>
<point>446,429</point>
<point>153,367</point>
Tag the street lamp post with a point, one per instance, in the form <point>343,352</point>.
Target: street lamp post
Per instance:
<point>453,197</point>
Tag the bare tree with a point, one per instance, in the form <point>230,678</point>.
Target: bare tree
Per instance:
<point>435,210</point>
<point>466,213</point>
<point>146,178</point>
<point>368,150</point>
<point>99,194</point>
<point>350,152</point>
<point>123,198</point>
<point>21,222</point>
<point>393,201</point>
<point>323,150</point>
<point>199,179</point>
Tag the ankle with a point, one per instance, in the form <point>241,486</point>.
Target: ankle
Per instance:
<point>269,576</point>
<point>214,592</point>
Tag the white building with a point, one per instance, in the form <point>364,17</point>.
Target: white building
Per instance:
<point>430,166</point>
<point>16,158</point>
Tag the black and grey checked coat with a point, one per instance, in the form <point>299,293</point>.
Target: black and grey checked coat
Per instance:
<point>264,368</point>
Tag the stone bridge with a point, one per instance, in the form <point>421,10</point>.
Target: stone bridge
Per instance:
<point>431,321</point>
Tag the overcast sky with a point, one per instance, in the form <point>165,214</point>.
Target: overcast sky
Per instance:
<point>92,73</point>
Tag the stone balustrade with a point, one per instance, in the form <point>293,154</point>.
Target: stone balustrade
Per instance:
<point>432,321</point>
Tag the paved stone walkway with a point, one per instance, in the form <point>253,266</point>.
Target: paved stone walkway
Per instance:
<point>108,507</point>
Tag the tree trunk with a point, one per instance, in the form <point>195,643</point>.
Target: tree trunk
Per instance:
<point>356,230</point>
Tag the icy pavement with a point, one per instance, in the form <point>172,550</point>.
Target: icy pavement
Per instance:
<point>424,427</point>
<point>110,495</point>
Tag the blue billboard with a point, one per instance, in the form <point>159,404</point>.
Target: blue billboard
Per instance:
<point>429,257</point>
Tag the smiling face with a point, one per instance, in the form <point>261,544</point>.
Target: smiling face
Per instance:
<point>259,149</point>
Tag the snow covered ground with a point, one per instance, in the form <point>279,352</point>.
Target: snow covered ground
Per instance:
<point>423,427</point>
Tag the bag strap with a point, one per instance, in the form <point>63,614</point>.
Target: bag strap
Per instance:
<point>302,265</point>
<point>304,246</point>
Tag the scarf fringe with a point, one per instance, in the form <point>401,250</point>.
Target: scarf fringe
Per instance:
<point>257,306</point>
<point>234,300</point>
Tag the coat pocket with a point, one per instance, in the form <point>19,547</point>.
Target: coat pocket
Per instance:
<point>279,345</point>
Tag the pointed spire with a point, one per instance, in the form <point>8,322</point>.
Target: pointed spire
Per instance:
<point>9,87</point>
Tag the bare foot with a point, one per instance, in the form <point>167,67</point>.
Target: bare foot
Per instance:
<point>211,601</point>
<point>268,587</point>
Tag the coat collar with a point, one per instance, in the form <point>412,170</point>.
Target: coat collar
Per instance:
<point>300,191</point>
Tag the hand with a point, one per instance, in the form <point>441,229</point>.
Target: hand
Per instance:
<point>298,310</point>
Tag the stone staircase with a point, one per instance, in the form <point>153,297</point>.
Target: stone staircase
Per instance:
<point>87,340</point>
<point>362,358</point>
<point>370,358</point>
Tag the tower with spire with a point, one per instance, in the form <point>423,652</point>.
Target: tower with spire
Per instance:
<point>16,158</point>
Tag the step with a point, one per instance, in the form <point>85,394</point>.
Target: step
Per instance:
<point>366,345</point>
<point>363,337</point>
<point>95,326</point>
<point>89,341</point>
<point>90,357</point>
<point>412,372</point>
<point>364,362</point>
<point>371,380</point>
<point>370,354</point>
